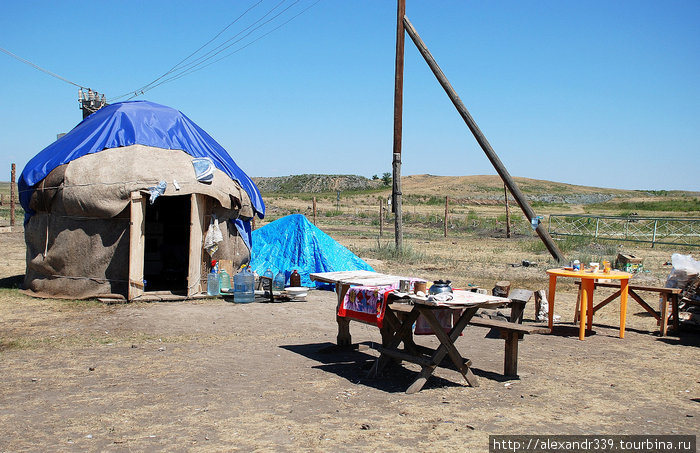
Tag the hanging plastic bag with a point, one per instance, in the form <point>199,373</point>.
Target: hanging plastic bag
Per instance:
<point>203,169</point>
<point>157,191</point>
<point>213,237</point>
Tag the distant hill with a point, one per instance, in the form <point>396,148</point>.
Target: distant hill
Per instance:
<point>476,187</point>
<point>315,183</point>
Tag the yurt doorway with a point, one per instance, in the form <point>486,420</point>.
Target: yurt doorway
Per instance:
<point>167,244</point>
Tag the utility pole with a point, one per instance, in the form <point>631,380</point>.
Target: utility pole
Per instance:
<point>398,126</point>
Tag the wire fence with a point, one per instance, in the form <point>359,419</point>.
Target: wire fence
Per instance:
<point>5,214</point>
<point>653,230</point>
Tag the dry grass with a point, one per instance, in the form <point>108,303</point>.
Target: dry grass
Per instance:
<point>215,376</point>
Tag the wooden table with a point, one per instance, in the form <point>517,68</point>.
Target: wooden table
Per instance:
<point>426,357</point>
<point>587,287</point>
<point>342,281</point>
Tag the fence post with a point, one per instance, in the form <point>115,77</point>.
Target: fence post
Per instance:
<point>505,191</point>
<point>381,216</point>
<point>653,236</point>
<point>597,221</point>
<point>12,196</point>
<point>446,198</point>
<point>314,210</point>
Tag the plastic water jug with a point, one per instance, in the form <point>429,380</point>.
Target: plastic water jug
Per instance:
<point>224,281</point>
<point>244,286</point>
<point>267,285</point>
<point>213,284</point>
<point>278,282</point>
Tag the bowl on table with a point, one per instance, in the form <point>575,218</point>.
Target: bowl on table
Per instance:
<point>296,292</point>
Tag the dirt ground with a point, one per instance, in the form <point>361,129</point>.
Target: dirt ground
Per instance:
<point>216,376</point>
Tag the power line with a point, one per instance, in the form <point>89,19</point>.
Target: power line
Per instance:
<point>17,57</point>
<point>235,51</point>
<point>190,55</point>
<point>207,56</point>
<point>178,71</point>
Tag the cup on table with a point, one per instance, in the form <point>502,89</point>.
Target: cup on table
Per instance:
<point>404,286</point>
<point>595,267</point>
<point>420,286</point>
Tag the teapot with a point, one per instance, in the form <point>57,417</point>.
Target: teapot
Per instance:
<point>440,287</point>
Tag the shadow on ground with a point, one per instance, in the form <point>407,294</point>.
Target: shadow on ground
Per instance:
<point>354,364</point>
<point>686,336</point>
<point>14,282</point>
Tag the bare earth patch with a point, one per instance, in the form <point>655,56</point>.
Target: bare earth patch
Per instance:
<point>216,376</point>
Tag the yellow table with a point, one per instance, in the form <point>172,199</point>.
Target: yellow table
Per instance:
<point>587,286</point>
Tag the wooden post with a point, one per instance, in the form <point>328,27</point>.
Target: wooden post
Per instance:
<point>381,217</point>
<point>446,198</point>
<point>481,139</point>
<point>314,210</point>
<point>12,196</point>
<point>137,241</point>
<point>502,289</point>
<point>540,298</point>
<point>505,191</point>
<point>398,125</point>
<point>198,226</point>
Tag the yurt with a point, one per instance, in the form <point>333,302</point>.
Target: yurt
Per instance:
<point>122,206</point>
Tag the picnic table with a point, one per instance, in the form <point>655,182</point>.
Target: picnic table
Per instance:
<point>413,306</point>
<point>403,310</point>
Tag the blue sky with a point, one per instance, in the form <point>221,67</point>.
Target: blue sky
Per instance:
<point>599,93</point>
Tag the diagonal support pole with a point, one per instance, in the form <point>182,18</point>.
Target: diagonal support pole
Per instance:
<point>481,139</point>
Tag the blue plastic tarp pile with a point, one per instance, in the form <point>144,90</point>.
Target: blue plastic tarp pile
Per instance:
<point>293,242</point>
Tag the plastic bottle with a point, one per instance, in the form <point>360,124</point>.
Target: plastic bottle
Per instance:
<point>267,285</point>
<point>224,281</point>
<point>244,286</point>
<point>295,279</point>
<point>213,284</point>
<point>213,280</point>
<point>278,282</point>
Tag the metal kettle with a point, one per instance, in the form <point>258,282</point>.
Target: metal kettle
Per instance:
<point>440,287</point>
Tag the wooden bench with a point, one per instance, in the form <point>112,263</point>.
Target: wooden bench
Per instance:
<point>511,332</point>
<point>667,294</point>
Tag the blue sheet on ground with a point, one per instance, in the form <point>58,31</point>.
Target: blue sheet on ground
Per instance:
<point>293,242</point>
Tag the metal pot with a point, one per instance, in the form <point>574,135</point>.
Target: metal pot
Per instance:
<point>440,287</point>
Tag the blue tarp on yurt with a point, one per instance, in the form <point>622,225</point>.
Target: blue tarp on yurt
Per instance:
<point>136,123</point>
<point>293,242</point>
